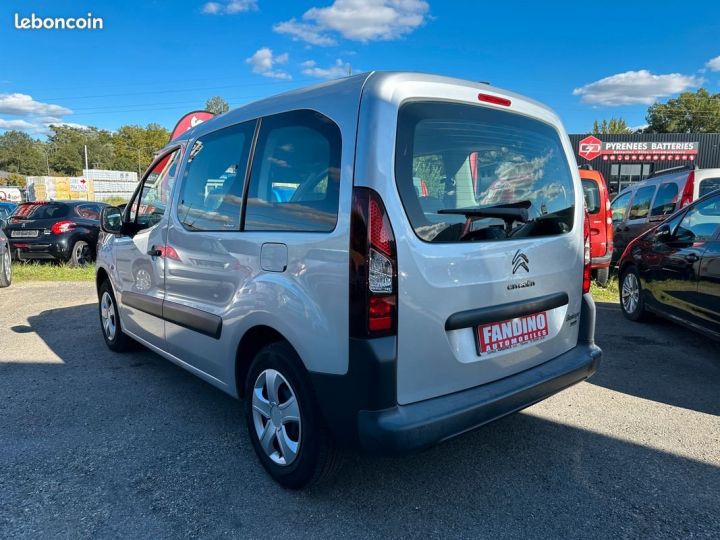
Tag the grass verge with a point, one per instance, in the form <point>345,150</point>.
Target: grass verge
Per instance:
<point>609,293</point>
<point>35,271</point>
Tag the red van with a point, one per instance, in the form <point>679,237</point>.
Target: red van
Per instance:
<point>601,231</point>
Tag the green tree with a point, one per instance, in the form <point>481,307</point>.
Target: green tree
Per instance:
<point>690,112</point>
<point>217,105</point>
<point>21,154</point>
<point>615,126</point>
<point>135,146</point>
<point>66,149</point>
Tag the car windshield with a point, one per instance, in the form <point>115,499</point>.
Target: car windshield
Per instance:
<point>469,173</point>
<point>6,210</point>
<point>41,210</point>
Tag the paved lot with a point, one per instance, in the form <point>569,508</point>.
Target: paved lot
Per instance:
<point>97,444</point>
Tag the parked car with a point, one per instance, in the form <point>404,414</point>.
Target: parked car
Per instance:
<point>597,203</point>
<point>5,261</point>
<point>65,231</point>
<point>362,311</point>
<point>674,269</point>
<point>644,205</point>
<point>6,208</point>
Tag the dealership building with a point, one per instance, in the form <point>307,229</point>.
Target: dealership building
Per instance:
<point>623,159</point>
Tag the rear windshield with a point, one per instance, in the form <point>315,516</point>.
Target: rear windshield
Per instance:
<point>708,185</point>
<point>592,196</point>
<point>470,173</point>
<point>40,211</point>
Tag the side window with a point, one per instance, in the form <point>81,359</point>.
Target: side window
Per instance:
<point>212,186</point>
<point>295,180</point>
<point>87,211</point>
<point>641,203</point>
<point>700,223</point>
<point>619,205</point>
<point>665,200</point>
<point>149,207</point>
<point>592,196</point>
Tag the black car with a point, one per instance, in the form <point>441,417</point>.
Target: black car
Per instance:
<point>674,269</point>
<point>65,231</point>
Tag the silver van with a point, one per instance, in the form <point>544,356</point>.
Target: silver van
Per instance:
<point>385,261</point>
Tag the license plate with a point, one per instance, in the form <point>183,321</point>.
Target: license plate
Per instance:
<point>24,234</point>
<point>504,335</point>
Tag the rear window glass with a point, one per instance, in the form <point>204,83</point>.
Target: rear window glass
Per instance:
<point>592,196</point>
<point>41,211</point>
<point>709,185</point>
<point>469,173</point>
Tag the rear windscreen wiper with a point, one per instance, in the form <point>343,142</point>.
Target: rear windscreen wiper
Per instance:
<point>509,212</point>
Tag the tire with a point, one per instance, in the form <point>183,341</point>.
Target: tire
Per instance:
<point>602,276</point>
<point>295,453</point>
<point>631,295</point>
<point>110,320</point>
<point>5,268</point>
<point>81,254</point>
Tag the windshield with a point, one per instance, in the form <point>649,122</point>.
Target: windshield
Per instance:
<point>457,164</point>
<point>40,211</point>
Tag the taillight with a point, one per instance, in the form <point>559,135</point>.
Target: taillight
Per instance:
<point>63,226</point>
<point>170,252</point>
<point>587,267</point>
<point>609,228</point>
<point>373,267</point>
<point>687,195</point>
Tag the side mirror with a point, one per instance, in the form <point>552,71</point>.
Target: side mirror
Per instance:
<point>663,233</point>
<point>111,220</point>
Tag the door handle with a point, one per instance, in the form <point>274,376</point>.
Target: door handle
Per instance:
<point>154,252</point>
<point>691,257</point>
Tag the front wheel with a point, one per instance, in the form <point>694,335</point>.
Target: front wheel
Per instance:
<point>284,423</point>
<point>5,268</point>
<point>631,295</point>
<point>110,320</point>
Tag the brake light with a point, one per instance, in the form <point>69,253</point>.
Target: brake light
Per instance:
<point>169,252</point>
<point>373,267</point>
<point>587,267</point>
<point>495,100</point>
<point>63,226</point>
<point>687,195</point>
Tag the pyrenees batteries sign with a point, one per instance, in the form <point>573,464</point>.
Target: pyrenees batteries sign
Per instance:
<point>591,147</point>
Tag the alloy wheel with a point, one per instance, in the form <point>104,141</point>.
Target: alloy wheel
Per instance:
<point>630,293</point>
<point>7,266</point>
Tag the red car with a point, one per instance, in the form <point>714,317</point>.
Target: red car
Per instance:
<point>597,202</point>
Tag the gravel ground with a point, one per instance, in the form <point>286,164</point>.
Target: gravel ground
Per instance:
<point>104,445</point>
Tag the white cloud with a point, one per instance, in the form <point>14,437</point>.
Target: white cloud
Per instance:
<point>335,71</point>
<point>21,125</point>
<point>23,104</point>
<point>229,7</point>
<point>713,64</point>
<point>357,20</point>
<point>634,88</point>
<point>264,62</point>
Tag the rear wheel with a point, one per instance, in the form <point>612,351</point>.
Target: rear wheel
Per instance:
<point>110,320</point>
<point>284,423</point>
<point>81,254</point>
<point>5,268</point>
<point>631,297</point>
<point>602,276</point>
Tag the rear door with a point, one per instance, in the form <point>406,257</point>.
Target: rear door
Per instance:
<point>638,215</point>
<point>482,297</point>
<point>708,294</point>
<point>619,209</point>
<point>596,211</point>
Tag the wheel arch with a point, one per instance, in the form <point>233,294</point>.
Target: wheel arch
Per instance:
<point>100,277</point>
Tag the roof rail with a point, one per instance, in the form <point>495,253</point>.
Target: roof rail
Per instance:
<point>671,170</point>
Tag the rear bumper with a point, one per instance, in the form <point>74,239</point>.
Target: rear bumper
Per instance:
<point>601,262</point>
<point>416,426</point>
<point>54,248</point>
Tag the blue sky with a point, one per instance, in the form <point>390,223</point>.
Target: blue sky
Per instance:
<point>155,60</point>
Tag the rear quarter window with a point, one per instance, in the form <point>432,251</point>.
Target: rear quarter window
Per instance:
<point>457,163</point>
